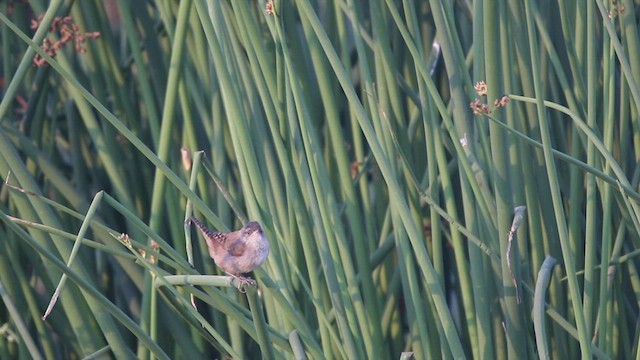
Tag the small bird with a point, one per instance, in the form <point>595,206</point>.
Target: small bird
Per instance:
<point>237,252</point>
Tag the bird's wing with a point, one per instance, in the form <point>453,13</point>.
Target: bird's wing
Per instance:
<point>237,247</point>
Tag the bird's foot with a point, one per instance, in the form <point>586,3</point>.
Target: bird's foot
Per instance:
<point>243,281</point>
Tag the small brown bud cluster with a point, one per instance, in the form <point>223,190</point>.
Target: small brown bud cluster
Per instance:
<point>67,31</point>
<point>616,9</point>
<point>124,238</point>
<point>481,88</point>
<point>269,8</point>
<point>156,247</point>
<point>12,4</point>
<point>480,108</point>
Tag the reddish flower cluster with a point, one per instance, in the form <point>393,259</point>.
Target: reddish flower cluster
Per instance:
<point>67,31</point>
<point>616,9</point>
<point>269,7</point>
<point>503,101</point>
<point>11,4</point>
<point>478,107</point>
<point>481,88</point>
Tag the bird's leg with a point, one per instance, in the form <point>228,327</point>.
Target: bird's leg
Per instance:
<point>242,281</point>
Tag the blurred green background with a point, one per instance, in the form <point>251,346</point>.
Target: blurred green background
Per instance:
<point>438,179</point>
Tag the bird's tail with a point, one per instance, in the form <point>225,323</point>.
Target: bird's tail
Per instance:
<point>208,234</point>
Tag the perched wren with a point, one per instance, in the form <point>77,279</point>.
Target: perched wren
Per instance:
<point>236,252</point>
